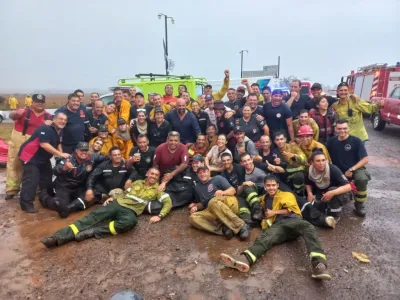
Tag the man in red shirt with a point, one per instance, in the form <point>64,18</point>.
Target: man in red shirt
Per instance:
<point>171,158</point>
<point>26,122</point>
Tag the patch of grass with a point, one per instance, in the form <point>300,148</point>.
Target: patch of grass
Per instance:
<point>5,131</point>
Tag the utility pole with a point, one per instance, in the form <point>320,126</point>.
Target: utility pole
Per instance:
<point>279,67</point>
<point>241,62</point>
<point>166,39</point>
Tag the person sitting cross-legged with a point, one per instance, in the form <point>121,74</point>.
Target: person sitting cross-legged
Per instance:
<point>283,222</point>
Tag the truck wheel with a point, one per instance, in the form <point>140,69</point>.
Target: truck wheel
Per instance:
<point>377,122</point>
<point>1,119</point>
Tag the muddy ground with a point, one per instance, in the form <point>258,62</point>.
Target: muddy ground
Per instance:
<point>171,260</point>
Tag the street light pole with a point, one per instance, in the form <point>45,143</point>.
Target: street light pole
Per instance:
<point>241,62</point>
<point>166,39</point>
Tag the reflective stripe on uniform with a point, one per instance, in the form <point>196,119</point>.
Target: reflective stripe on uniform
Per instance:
<point>187,177</point>
<point>304,206</point>
<point>107,171</point>
<point>335,209</point>
<point>112,228</point>
<point>292,170</point>
<point>140,200</point>
<point>75,229</point>
<point>83,203</point>
<point>252,197</point>
<point>316,254</point>
<point>251,255</point>
<point>163,197</point>
<point>244,210</point>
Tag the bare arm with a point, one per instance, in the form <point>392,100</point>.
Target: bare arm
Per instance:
<point>341,190</point>
<point>289,123</point>
<point>229,192</point>
<point>361,163</point>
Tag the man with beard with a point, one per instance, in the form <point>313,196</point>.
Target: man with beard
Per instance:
<point>256,110</point>
<point>296,100</point>
<point>120,212</point>
<point>96,146</point>
<point>122,139</point>
<point>197,148</point>
<point>141,157</point>
<point>74,131</point>
<point>350,156</point>
<point>69,184</point>
<point>109,175</point>
<point>36,154</point>
<point>158,129</point>
<point>215,207</point>
<point>184,122</point>
<point>224,125</point>
<point>96,119</point>
<point>316,91</point>
<point>233,102</point>
<point>171,158</point>
<point>139,104</point>
<point>169,97</point>
<point>266,93</point>
<point>282,222</point>
<point>278,116</point>
<point>26,121</point>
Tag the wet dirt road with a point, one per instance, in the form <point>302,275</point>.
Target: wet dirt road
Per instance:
<point>171,260</point>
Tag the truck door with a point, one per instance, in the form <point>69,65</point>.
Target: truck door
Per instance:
<point>394,106</point>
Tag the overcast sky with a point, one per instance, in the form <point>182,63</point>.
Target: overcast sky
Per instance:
<point>93,43</point>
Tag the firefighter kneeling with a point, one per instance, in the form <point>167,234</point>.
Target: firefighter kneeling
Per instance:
<point>283,222</point>
<point>121,209</point>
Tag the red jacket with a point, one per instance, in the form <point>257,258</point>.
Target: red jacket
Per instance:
<point>325,123</point>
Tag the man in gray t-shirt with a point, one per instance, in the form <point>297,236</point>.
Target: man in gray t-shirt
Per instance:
<point>243,145</point>
<point>216,206</point>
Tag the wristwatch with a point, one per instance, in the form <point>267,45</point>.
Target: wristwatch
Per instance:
<point>351,170</point>
<point>160,216</point>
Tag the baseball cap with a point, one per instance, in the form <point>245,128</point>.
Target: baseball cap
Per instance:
<point>208,86</point>
<point>198,157</point>
<point>238,129</point>
<point>139,94</point>
<point>316,86</point>
<point>342,84</point>
<point>241,88</point>
<point>208,98</point>
<point>121,121</point>
<point>82,146</point>
<point>158,110</point>
<point>38,98</point>
<point>202,168</point>
<point>103,129</point>
<point>276,92</point>
<point>219,105</point>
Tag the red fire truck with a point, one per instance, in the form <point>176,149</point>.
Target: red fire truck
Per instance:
<point>376,82</point>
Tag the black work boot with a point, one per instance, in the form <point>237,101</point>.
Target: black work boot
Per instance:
<point>257,212</point>
<point>76,205</point>
<point>85,234</point>
<point>360,209</point>
<point>49,242</point>
<point>319,271</point>
<point>244,232</point>
<point>227,232</point>
<point>62,209</point>
<point>30,210</point>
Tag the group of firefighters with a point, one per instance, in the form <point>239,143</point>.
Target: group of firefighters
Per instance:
<point>285,164</point>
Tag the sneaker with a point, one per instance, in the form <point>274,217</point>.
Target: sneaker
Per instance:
<point>49,241</point>
<point>320,272</point>
<point>244,232</point>
<point>257,212</point>
<point>227,232</point>
<point>360,209</point>
<point>238,262</point>
<point>330,222</point>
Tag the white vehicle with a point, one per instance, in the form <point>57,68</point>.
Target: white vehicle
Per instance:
<point>2,116</point>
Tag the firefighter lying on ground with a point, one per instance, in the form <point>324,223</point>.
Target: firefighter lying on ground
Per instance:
<point>122,209</point>
<point>282,222</point>
<point>70,185</point>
